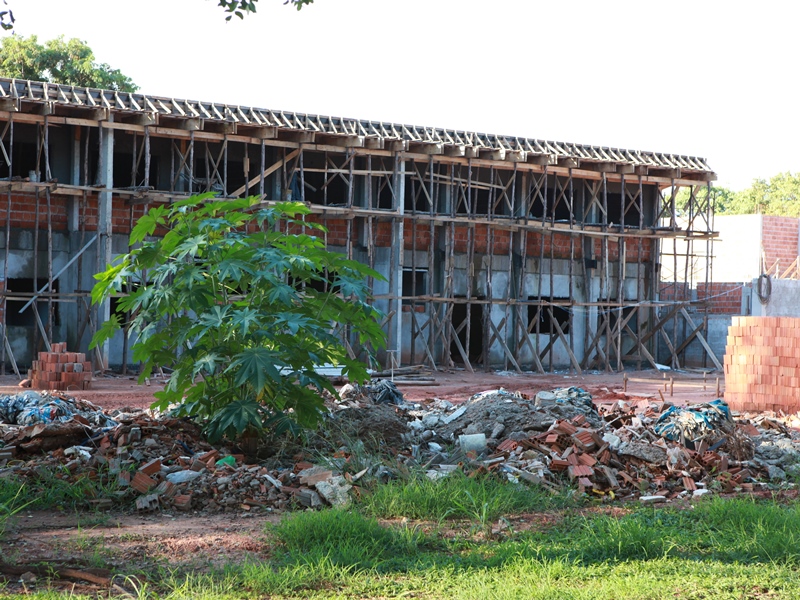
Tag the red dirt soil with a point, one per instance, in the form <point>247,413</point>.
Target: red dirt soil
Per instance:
<point>116,392</point>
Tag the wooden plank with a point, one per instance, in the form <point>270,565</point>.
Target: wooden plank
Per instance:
<point>674,357</point>
<point>703,341</point>
<point>267,172</point>
<point>419,332</point>
<point>688,340</point>
<point>641,347</point>
<point>525,339</point>
<point>563,338</point>
<point>460,348</point>
<point>506,351</point>
<point>661,323</point>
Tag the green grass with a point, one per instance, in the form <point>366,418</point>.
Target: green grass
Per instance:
<point>346,538</point>
<point>483,499</point>
<point>53,488</point>
<point>727,549</point>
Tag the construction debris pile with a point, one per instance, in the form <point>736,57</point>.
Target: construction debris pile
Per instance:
<point>561,438</point>
<point>609,448</point>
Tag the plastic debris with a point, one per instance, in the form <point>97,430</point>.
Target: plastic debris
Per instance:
<point>30,407</point>
<point>694,423</point>
<point>382,391</point>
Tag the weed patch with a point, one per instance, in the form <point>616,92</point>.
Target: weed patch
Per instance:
<point>483,499</point>
<point>345,538</point>
<point>50,488</point>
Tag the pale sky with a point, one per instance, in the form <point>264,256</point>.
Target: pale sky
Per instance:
<point>715,79</point>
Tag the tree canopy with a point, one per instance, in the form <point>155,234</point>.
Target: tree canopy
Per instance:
<point>777,196</point>
<point>242,7</point>
<point>70,62</point>
<point>6,17</point>
<point>233,7</point>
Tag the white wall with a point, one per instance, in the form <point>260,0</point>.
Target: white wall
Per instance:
<point>737,251</point>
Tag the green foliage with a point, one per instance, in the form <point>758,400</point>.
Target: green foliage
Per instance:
<point>778,196</point>
<point>6,18</point>
<point>240,8</point>
<point>70,62</point>
<point>231,302</point>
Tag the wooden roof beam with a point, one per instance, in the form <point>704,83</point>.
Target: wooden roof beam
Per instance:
<point>9,104</point>
<point>493,153</point>
<point>228,127</point>
<point>342,140</point>
<point>472,152</point>
<point>142,119</point>
<point>457,150</point>
<point>298,136</point>
<point>38,108</point>
<point>539,159</point>
<point>705,177</point>
<point>667,173</point>
<point>600,167</point>
<point>395,145</point>
<point>185,124</point>
<point>257,131</point>
<point>569,163</point>
<point>374,143</point>
<point>426,147</point>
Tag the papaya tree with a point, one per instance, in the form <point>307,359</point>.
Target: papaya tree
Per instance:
<point>243,302</point>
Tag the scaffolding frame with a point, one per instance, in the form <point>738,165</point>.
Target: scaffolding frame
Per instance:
<point>482,229</point>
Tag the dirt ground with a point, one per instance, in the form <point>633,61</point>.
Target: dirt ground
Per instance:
<point>138,542</point>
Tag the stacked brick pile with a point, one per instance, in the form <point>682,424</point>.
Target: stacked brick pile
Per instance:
<point>762,364</point>
<point>60,370</point>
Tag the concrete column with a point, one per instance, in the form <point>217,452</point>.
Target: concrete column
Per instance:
<point>397,265</point>
<point>104,232</point>
<point>73,202</point>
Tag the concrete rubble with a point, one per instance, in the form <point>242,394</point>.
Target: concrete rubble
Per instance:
<point>610,448</point>
<point>559,439</point>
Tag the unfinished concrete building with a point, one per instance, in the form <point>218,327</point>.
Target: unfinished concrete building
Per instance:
<point>499,252</point>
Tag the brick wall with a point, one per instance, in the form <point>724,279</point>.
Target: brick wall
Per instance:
<point>560,246</point>
<point>634,250</point>
<point>762,368</point>
<point>23,212</point>
<point>779,240</point>
<point>422,231</point>
<point>669,292</point>
<point>723,298</point>
<point>337,232</point>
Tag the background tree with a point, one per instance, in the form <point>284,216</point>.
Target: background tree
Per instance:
<point>242,7</point>
<point>233,7</point>
<point>70,62</point>
<point>721,197</point>
<point>779,196</point>
<point>241,311</point>
<point>6,17</point>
